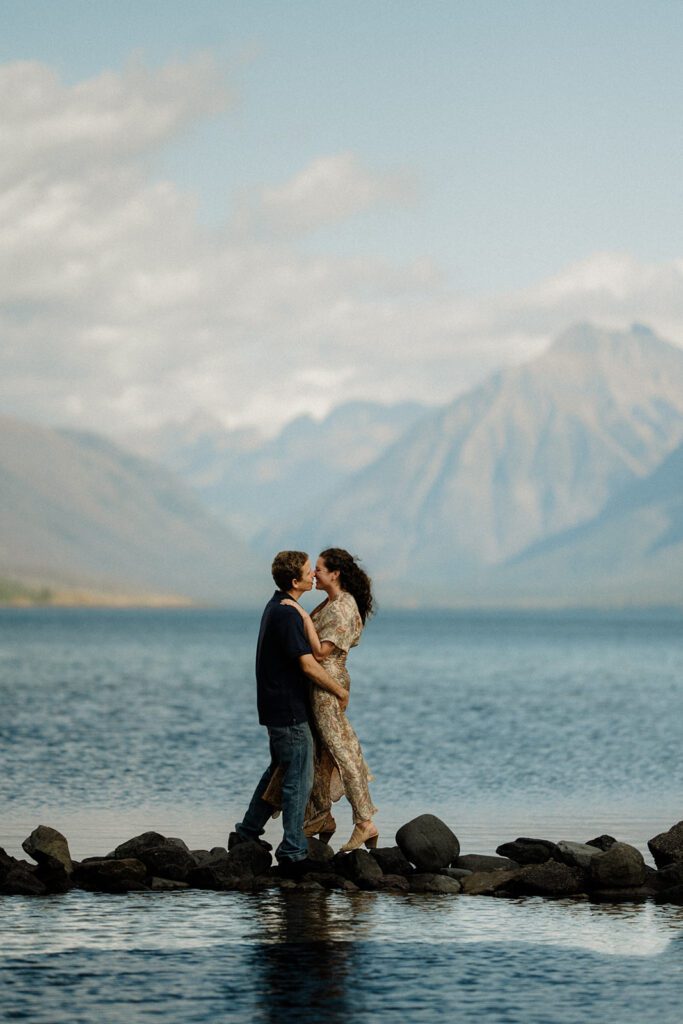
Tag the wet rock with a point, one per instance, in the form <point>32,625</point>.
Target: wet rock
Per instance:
<point>202,856</point>
<point>166,885</point>
<point>168,861</point>
<point>216,876</point>
<point>428,882</point>
<point>577,855</point>
<point>481,862</point>
<point>486,883</point>
<point>667,847</point>
<point>551,878</point>
<point>321,853</point>
<point>428,843</point>
<point>124,874</point>
<point>392,861</point>
<point>394,883</point>
<point>633,894</point>
<point>457,873</point>
<point>668,877</point>
<point>529,851</point>
<point>328,880</point>
<point>133,847</point>
<point>308,885</point>
<point>602,842</point>
<point>620,867</point>
<point>19,878</point>
<point>248,859</point>
<point>49,849</point>
<point>673,895</point>
<point>359,867</point>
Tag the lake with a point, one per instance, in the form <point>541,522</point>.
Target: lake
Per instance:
<point>561,726</point>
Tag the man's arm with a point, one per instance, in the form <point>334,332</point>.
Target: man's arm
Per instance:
<point>317,674</point>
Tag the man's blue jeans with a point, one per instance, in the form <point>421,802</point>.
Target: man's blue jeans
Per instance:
<point>291,749</point>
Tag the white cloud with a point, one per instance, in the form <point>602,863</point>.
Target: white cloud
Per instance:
<point>120,310</point>
<point>330,189</point>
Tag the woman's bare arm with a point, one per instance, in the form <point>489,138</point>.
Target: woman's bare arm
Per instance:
<point>320,650</point>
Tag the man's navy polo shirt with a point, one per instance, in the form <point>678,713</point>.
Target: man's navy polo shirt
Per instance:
<point>281,686</point>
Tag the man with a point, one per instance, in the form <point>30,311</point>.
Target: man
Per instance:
<point>284,666</point>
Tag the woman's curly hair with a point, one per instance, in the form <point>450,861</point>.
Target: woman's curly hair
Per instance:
<point>351,578</point>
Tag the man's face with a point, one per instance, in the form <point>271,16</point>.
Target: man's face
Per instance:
<point>305,581</point>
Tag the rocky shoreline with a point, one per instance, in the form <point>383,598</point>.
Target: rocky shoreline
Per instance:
<point>425,859</point>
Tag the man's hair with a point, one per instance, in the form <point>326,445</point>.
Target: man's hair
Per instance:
<point>286,568</point>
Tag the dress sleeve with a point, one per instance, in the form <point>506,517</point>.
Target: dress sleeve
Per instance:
<point>340,625</point>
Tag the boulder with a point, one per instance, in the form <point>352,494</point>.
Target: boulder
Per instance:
<point>577,855</point>
<point>133,847</point>
<point>485,883</point>
<point>328,880</point>
<point>529,851</point>
<point>428,843</point>
<point>673,895</point>
<point>392,861</point>
<point>49,848</point>
<point>620,867</point>
<point>123,874</point>
<point>551,878</point>
<point>19,878</point>
<point>669,876</point>
<point>602,842</point>
<point>248,859</point>
<point>394,883</point>
<point>201,856</point>
<point>457,873</point>
<point>321,853</point>
<point>667,847</point>
<point>634,894</point>
<point>428,882</point>
<point>166,885</point>
<point>481,862</point>
<point>212,876</point>
<point>359,867</point>
<point>168,861</point>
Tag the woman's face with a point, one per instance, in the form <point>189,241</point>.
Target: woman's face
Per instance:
<point>324,579</point>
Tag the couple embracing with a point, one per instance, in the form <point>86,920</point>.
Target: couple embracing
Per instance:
<point>302,694</point>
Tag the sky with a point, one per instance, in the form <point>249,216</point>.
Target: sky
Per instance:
<point>256,209</point>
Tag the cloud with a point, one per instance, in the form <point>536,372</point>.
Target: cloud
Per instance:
<point>120,310</point>
<point>330,189</point>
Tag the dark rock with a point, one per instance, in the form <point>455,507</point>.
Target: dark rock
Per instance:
<point>234,839</point>
<point>328,880</point>
<point>321,853</point>
<point>427,882</point>
<point>481,862</point>
<point>166,885</point>
<point>201,856</point>
<point>620,867</point>
<point>577,855</point>
<point>359,867</point>
<point>392,861</point>
<point>168,861</point>
<point>668,877</point>
<point>529,851</point>
<point>18,878</point>
<point>428,843</point>
<point>667,847</point>
<point>180,843</point>
<point>457,873</point>
<point>551,878</point>
<point>633,894</point>
<point>602,842</point>
<point>673,895</point>
<point>485,883</point>
<point>216,877</point>
<point>394,883</point>
<point>49,848</point>
<point>309,885</point>
<point>125,874</point>
<point>248,859</point>
<point>133,847</point>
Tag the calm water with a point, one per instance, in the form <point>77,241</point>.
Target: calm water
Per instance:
<point>561,726</point>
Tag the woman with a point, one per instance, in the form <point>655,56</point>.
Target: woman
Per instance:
<point>332,630</point>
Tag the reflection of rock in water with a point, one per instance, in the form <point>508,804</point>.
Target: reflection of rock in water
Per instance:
<point>303,963</point>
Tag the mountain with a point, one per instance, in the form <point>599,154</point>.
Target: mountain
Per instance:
<point>535,450</point>
<point>252,482</point>
<point>76,509</point>
<point>632,552</point>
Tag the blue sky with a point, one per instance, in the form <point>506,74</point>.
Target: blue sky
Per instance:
<point>503,156</point>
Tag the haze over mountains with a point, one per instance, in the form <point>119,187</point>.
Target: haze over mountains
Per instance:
<point>559,481</point>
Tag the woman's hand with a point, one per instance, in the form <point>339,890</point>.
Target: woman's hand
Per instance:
<point>295,604</point>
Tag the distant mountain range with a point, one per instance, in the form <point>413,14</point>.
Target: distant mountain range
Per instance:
<point>556,482</point>
<point>78,511</point>
<point>253,483</point>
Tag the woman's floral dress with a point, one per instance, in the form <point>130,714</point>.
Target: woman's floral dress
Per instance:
<point>340,767</point>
